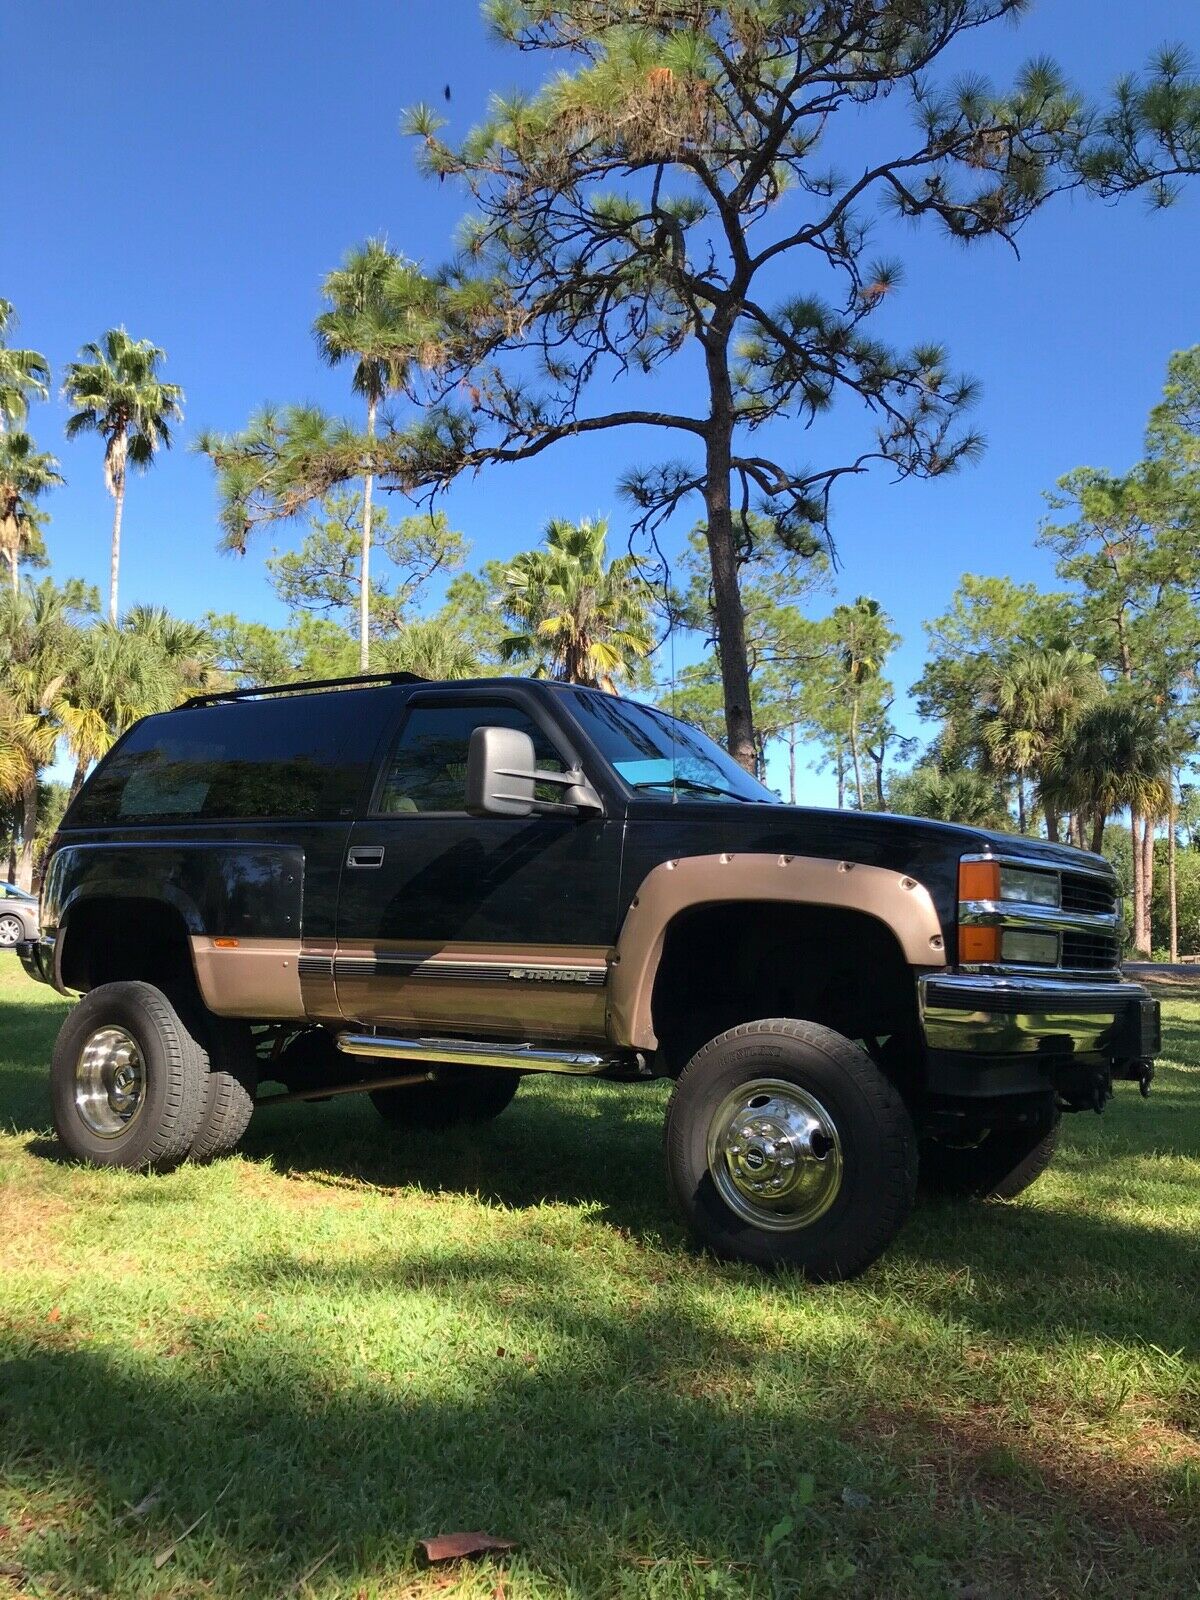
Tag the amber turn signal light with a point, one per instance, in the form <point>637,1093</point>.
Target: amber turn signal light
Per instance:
<point>979,880</point>
<point>979,945</point>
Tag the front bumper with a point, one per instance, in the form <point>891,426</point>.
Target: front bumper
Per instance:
<point>992,1036</point>
<point>37,957</point>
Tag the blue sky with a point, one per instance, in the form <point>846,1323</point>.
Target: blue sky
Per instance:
<point>192,170</point>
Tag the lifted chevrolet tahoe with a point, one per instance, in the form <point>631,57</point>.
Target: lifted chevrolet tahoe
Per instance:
<point>427,891</point>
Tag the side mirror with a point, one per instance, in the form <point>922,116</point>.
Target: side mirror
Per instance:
<point>500,768</point>
<point>501,776</point>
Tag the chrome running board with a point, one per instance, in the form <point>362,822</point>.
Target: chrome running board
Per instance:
<point>476,1053</point>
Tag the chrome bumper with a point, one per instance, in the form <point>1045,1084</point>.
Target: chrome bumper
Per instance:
<point>976,1015</point>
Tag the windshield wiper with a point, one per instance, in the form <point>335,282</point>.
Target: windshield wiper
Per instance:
<point>693,787</point>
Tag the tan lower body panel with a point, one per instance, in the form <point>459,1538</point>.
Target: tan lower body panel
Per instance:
<point>506,991</point>
<point>255,978</point>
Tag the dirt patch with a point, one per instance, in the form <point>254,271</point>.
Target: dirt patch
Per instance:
<point>289,1189</point>
<point>32,1219</point>
<point>1117,1486</point>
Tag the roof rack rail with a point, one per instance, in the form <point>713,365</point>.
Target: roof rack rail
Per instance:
<point>220,696</point>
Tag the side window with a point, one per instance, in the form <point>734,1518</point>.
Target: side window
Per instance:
<point>427,769</point>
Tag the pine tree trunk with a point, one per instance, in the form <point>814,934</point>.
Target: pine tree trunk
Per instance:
<point>1172,883</point>
<point>792,764</point>
<point>841,777</point>
<point>722,553</point>
<point>1148,881</point>
<point>29,809</point>
<point>854,754</point>
<point>364,571</point>
<point>1135,850</point>
<point>1021,817</point>
<point>1051,824</point>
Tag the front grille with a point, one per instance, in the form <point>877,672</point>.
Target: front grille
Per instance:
<point>1091,952</point>
<point>1080,892</point>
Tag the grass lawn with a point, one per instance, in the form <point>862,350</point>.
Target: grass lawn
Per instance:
<point>342,1341</point>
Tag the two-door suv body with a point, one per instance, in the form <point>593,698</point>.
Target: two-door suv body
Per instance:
<point>425,891</point>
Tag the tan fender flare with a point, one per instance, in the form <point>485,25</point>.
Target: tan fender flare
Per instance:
<point>899,902</point>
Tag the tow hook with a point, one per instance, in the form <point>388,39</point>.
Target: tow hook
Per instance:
<point>1145,1078</point>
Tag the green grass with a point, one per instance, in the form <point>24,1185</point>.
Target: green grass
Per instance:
<point>342,1341</point>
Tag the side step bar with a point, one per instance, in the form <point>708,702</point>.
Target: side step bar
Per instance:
<point>477,1053</point>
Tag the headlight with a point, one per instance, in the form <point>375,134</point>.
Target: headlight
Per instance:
<point>988,880</point>
<point>1029,949</point>
<point>1034,888</point>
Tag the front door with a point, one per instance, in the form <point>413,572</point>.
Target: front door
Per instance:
<point>491,926</point>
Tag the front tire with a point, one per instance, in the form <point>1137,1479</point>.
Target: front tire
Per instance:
<point>127,1079</point>
<point>1000,1167</point>
<point>11,932</point>
<point>457,1095</point>
<point>787,1147</point>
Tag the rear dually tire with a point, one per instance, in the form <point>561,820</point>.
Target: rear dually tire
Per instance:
<point>127,1079</point>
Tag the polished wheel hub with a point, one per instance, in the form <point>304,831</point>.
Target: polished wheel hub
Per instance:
<point>110,1082</point>
<point>775,1155</point>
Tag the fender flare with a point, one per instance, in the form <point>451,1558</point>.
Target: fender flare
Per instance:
<point>898,901</point>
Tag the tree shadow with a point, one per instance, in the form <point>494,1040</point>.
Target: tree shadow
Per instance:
<point>622,1435</point>
<point>593,1144</point>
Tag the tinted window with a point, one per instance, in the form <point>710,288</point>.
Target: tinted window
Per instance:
<point>658,753</point>
<point>266,758</point>
<point>428,766</point>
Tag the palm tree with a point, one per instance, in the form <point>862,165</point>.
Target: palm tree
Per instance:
<point>1117,755</point>
<point>116,391</point>
<point>1032,700</point>
<point>862,638</point>
<point>121,674</point>
<point>24,374</point>
<point>25,474</point>
<point>432,648</point>
<point>38,640</point>
<point>580,620</point>
<point>962,794</point>
<point>378,318</point>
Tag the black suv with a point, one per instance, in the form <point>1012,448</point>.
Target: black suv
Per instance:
<point>426,891</point>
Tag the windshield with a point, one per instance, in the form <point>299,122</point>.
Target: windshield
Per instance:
<point>659,754</point>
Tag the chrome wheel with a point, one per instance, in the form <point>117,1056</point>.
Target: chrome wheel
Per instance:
<point>110,1082</point>
<point>10,932</point>
<point>775,1155</point>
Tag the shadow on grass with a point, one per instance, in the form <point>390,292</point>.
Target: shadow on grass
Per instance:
<point>630,1433</point>
<point>594,1144</point>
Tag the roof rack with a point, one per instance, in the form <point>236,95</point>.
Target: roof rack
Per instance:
<point>220,697</point>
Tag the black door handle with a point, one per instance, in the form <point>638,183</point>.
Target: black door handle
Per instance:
<point>365,855</point>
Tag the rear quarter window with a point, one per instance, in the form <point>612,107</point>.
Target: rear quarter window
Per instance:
<point>266,758</point>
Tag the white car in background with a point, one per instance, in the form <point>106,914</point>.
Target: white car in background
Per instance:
<point>18,916</point>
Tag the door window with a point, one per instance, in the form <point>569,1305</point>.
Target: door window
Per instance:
<point>427,770</point>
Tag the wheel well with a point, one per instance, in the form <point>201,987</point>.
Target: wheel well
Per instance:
<point>726,964</point>
<point>108,939</point>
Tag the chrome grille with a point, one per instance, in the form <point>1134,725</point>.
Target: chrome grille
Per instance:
<point>1090,952</point>
<point>1082,892</point>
